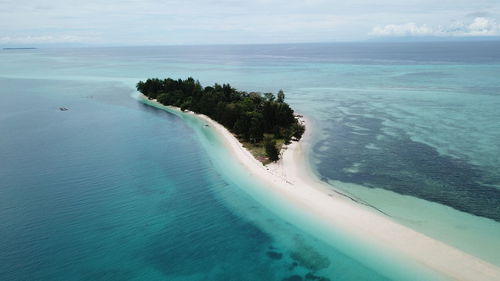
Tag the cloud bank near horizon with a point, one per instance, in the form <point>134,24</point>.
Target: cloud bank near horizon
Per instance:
<point>154,22</point>
<point>479,26</point>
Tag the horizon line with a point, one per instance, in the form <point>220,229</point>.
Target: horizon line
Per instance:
<point>7,46</point>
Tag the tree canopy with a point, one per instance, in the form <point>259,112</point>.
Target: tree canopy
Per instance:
<point>249,115</point>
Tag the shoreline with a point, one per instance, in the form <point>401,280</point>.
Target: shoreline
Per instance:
<point>292,178</point>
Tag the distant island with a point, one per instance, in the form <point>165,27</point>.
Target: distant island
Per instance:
<point>261,122</point>
<point>19,48</point>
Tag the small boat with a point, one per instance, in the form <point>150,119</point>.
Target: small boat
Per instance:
<point>63,108</point>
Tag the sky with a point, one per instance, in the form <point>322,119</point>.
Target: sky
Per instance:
<point>177,22</point>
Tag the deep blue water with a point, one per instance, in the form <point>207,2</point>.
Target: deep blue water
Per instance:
<point>116,190</point>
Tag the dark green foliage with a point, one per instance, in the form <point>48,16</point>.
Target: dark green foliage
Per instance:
<point>298,130</point>
<point>269,96</point>
<point>281,96</point>
<point>248,115</point>
<point>271,150</point>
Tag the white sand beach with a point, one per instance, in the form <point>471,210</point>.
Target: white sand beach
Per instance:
<point>291,178</point>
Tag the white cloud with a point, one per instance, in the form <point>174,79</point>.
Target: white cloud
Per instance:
<point>407,29</point>
<point>479,26</point>
<point>156,22</point>
<point>483,26</point>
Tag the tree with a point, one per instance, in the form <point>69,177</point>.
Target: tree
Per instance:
<point>299,130</point>
<point>269,97</point>
<point>256,130</point>
<point>241,126</point>
<point>284,115</point>
<point>281,96</point>
<point>271,150</point>
<point>163,99</point>
<point>186,105</point>
<point>140,86</point>
<point>250,115</point>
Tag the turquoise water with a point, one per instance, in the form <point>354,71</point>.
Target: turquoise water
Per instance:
<point>116,190</point>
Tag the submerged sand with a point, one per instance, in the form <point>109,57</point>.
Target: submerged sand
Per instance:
<point>291,178</point>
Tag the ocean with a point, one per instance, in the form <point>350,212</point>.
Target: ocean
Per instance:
<point>112,189</point>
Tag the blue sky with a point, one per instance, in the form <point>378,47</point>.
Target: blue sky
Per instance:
<point>173,22</point>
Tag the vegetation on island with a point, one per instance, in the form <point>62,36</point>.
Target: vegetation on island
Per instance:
<point>262,122</point>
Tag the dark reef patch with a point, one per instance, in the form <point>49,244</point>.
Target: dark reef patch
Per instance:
<point>274,255</point>
<point>312,276</point>
<point>306,256</point>
<point>402,165</point>
<point>293,278</point>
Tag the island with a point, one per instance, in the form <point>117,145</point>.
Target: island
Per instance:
<point>291,182</point>
<point>19,48</point>
<point>263,123</point>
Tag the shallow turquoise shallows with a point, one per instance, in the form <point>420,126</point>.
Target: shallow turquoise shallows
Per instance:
<point>114,189</point>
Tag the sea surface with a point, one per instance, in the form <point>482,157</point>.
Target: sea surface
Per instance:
<point>114,189</point>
